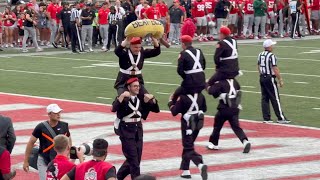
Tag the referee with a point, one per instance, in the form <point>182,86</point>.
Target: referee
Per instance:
<point>267,66</point>
<point>75,24</point>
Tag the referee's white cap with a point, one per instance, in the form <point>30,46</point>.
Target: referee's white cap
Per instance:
<point>53,108</point>
<point>267,43</point>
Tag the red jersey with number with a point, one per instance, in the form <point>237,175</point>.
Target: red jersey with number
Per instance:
<point>248,7</point>
<point>53,10</point>
<point>270,5</point>
<point>163,8</point>
<point>210,5</point>
<point>92,170</point>
<point>280,5</point>
<point>199,9</point>
<point>153,13</point>
<point>234,9</point>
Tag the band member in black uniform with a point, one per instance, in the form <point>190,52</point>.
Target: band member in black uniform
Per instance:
<point>187,105</point>
<point>229,94</point>
<point>132,108</point>
<point>225,57</point>
<point>131,61</point>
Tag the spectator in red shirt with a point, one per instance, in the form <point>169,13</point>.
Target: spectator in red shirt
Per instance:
<point>164,12</point>
<point>143,10</point>
<point>5,166</point>
<point>52,11</point>
<point>104,24</point>
<point>153,12</point>
<point>8,18</point>
<point>315,15</point>
<point>61,164</point>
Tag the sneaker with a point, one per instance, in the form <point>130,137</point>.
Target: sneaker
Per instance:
<point>54,45</point>
<point>25,50</point>
<point>75,51</point>
<point>281,35</point>
<point>41,43</point>
<point>186,176</point>
<point>6,46</point>
<point>211,146</point>
<point>90,50</point>
<point>247,146</point>
<point>39,49</point>
<point>200,39</point>
<point>107,50</point>
<point>256,38</point>
<point>286,121</point>
<point>11,45</point>
<point>48,44</point>
<point>205,39</point>
<point>204,172</point>
<point>265,37</point>
<point>268,121</point>
<point>103,48</point>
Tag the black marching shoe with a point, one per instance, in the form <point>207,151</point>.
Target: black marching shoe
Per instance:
<point>186,176</point>
<point>204,172</point>
<point>200,121</point>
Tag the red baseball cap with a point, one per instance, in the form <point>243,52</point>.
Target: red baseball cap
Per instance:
<point>225,30</point>
<point>186,39</point>
<point>30,5</point>
<point>135,40</point>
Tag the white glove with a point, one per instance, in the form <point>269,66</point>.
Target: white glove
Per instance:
<point>240,107</point>
<point>116,123</point>
<point>240,73</point>
<point>189,132</point>
<point>223,97</point>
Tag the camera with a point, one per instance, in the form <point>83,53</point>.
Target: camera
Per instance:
<point>85,147</point>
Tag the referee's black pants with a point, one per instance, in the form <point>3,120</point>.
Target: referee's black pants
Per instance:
<point>112,35</point>
<point>189,153</point>
<point>75,37</point>
<point>270,92</point>
<point>223,115</point>
<point>295,24</point>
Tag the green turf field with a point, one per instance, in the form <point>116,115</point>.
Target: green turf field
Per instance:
<point>91,75</point>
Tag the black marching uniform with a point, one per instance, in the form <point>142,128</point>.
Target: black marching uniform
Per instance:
<point>189,104</point>
<point>228,108</point>
<point>295,15</point>
<point>226,60</point>
<point>65,15</point>
<point>131,65</point>
<point>131,111</point>
<point>191,66</point>
<point>75,33</point>
<point>269,88</point>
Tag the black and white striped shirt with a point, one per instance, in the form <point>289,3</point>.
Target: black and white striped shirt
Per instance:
<point>113,18</point>
<point>266,60</point>
<point>75,13</point>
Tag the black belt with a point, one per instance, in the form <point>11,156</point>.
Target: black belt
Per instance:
<point>267,75</point>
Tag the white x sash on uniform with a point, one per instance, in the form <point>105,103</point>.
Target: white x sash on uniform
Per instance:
<point>194,108</point>
<point>135,110</point>
<point>232,92</point>
<point>196,66</point>
<point>234,53</point>
<point>133,69</point>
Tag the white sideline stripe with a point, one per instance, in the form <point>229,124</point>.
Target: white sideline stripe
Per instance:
<point>249,87</point>
<point>316,108</point>
<point>104,98</point>
<point>79,67</point>
<point>291,74</point>
<point>19,106</point>
<point>164,111</point>
<point>164,93</point>
<point>76,118</point>
<point>289,95</point>
<point>301,82</point>
<point>290,147</point>
<point>258,173</point>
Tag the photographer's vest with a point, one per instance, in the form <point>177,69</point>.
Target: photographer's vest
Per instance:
<point>133,69</point>
<point>92,170</point>
<point>196,66</point>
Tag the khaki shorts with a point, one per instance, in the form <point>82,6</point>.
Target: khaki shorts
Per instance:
<point>315,14</point>
<point>202,21</point>
<point>233,19</point>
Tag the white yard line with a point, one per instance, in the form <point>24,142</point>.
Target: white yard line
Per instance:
<point>163,93</point>
<point>300,82</point>
<point>104,98</point>
<point>165,111</point>
<point>288,95</point>
<point>316,108</point>
<point>80,67</point>
<point>249,87</point>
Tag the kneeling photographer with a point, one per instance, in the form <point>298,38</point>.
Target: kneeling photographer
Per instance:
<point>96,168</point>
<point>61,164</point>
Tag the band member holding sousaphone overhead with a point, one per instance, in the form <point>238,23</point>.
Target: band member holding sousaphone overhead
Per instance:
<point>131,61</point>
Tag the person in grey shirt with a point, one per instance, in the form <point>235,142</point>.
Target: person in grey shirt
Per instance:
<point>7,136</point>
<point>176,19</point>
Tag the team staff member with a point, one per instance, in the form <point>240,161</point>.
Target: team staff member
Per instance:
<point>130,15</point>
<point>225,57</point>
<point>269,71</point>
<point>132,108</point>
<point>164,13</point>
<point>221,12</point>
<point>229,94</point>
<point>29,29</point>
<point>295,8</point>
<point>176,19</point>
<point>191,66</point>
<point>104,24</point>
<point>52,11</point>
<point>64,15</point>
<point>131,61</point>
<point>187,105</point>
<point>41,132</point>
<point>87,17</point>
<point>97,168</point>
<point>75,25</point>
<point>61,164</point>
<point>5,166</point>
<point>7,135</point>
